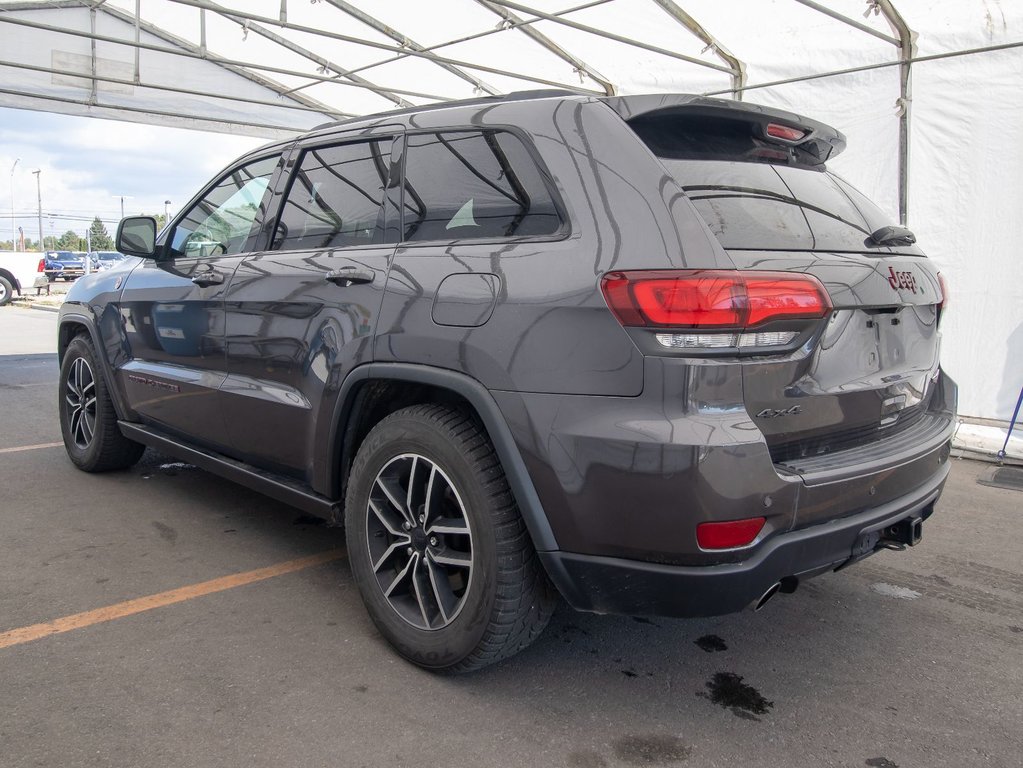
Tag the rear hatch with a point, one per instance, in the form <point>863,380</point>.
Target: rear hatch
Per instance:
<point>861,386</point>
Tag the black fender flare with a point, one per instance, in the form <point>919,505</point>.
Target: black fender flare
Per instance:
<point>74,316</point>
<point>489,413</point>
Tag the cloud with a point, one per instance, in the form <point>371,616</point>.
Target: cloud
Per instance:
<point>86,162</point>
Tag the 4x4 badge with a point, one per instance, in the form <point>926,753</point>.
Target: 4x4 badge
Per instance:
<point>774,413</point>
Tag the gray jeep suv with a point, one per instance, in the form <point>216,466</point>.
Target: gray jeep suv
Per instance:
<point>646,352</point>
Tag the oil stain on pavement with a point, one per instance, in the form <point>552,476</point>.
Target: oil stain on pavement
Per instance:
<point>729,691</point>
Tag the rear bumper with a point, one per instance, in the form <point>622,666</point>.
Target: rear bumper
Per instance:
<point>616,585</point>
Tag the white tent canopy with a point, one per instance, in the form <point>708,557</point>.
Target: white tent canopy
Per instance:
<point>945,72</point>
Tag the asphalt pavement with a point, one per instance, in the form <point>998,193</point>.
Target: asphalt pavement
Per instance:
<point>909,659</point>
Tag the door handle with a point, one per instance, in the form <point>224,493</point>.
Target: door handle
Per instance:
<point>346,276</point>
<point>208,278</point>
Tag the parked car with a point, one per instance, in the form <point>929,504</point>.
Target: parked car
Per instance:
<point>66,265</point>
<point>646,352</point>
<point>105,259</point>
<point>19,270</point>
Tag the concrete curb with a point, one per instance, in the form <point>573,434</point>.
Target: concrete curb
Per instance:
<point>44,309</point>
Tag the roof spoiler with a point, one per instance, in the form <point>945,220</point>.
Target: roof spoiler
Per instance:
<point>816,139</point>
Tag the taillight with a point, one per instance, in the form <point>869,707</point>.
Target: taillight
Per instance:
<point>784,132</point>
<point>730,534</point>
<point>42,266</point>
<point>943,283</point>
<point>715,308</point>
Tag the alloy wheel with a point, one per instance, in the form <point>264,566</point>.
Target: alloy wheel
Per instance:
<point>80,401</point>
<point>420,541</point>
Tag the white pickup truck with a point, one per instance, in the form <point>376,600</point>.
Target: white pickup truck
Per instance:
<point>20,271</point>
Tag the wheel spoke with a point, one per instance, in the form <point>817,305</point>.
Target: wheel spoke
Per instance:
<point>421,589</point>
<point>394,530</point>
<point>396,546</point>
<point>384,484</point>
<point>74,422</point>
<point>452,557</point>
<point>428,500</point>
<point>88,427</point>
<point>402,575</point>
<point>449,525</point>
<point>446,600</point>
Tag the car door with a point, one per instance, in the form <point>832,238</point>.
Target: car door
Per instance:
<point>172,306</point>
<point>301,313</point>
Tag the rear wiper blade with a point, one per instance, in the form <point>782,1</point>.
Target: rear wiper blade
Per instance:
<point>892,235</point>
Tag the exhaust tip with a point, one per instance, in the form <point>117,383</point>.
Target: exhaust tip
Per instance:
<point>787,585</point>
<point>771,592</point>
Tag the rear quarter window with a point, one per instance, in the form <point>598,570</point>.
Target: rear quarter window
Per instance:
<point>474,184</point>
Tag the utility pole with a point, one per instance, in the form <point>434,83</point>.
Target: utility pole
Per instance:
<point>39,196</point>
<point>14,222</point>
<point>166,216</point>
<point>123,198</point>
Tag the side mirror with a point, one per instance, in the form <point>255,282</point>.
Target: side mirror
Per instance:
<point>136,236</point>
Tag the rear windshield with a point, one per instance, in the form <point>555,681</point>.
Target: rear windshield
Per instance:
<point>754,194</point>
<point>762,206</point>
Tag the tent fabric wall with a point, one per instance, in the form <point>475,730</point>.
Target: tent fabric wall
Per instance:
<point>966,144</point>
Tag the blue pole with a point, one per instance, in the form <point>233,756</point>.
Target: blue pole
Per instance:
<point>1015,414</point>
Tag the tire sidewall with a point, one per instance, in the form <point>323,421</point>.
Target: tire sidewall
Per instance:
<point>439,648</point>
<point>6,291</point>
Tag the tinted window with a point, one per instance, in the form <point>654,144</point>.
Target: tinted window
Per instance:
<point>473,184</point>
<point>220,223</point>
<point>761,206</point>
<point>336,198</point>
<point>746,205</point>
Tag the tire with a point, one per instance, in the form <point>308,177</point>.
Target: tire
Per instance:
<point>88,422</point>
<point>483,595</point>
<point>6,291</point>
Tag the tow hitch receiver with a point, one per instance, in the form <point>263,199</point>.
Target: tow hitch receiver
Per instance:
<point>907,531</point>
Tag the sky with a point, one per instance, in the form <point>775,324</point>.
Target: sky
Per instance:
<point>87,163</point>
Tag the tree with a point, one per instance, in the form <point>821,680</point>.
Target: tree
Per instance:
<point>100,238</point>
<point>69,241</point>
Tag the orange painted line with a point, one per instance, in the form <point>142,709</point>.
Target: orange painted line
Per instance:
<point>161,599</point>
<point>30,447</point>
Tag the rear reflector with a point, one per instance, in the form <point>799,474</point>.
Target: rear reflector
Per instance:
<point>712,299</point>
<point>784,132</point>
<point>944,292</point>
<point>734,533</point>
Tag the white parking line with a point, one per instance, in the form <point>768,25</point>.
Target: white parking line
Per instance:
<point>30,447</point>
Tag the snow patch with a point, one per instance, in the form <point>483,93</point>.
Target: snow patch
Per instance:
<point>890,590</point>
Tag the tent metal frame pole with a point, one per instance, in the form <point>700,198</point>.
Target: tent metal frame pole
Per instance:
<point>305,53</point>
<point>466,38</point>
<point>188,53</point>
<point>381,46</point>
<point>538,37</point>
<point>736,66</point>
<point>171,89</point>
<point>200,50</point>
<point>283,131</point>
<point>406,42</point>
<point>907,51</point>
<point>851,22</point>
<point>485,33</point>
<point>605,34</point>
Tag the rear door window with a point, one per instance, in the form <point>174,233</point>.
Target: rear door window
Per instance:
<point>474,184</point>
<point>336,198</point>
